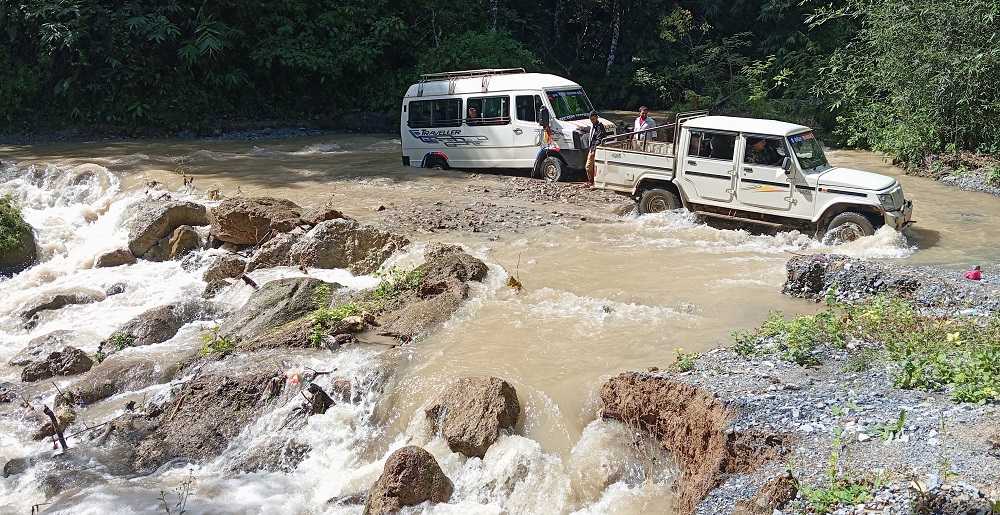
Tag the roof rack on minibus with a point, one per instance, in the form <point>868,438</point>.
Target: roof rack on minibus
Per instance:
<point>461,74</point>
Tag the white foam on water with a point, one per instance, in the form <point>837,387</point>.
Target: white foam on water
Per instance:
<point>319,148</point>
<point>682,229</point>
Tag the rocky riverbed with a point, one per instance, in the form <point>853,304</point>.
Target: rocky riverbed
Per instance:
<point>733,423</point>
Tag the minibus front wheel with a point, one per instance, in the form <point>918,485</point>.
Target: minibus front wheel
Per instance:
<point>553,169</point>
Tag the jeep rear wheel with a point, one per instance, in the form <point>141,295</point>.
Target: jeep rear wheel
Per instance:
<point>848,226</point>
<point>657,200</point>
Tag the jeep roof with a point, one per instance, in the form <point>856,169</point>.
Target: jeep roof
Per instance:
<point>745,125</point>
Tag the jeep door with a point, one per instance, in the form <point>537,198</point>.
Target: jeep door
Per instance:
<point>762,182</point>
<point>710,171</point>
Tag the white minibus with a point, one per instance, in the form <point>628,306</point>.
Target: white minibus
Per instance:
<point>497,118</point>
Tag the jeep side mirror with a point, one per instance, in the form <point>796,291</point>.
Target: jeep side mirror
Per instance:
<point>786,165</point>
<point>543,117</point>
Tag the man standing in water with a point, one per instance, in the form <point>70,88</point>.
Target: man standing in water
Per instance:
<point>643,122</point>
<point>597,133</point>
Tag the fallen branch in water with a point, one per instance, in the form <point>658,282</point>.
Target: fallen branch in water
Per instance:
<point>55,426</point>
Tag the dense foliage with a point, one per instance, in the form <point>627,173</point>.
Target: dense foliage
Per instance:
<point>904,77</point>
<point>12,225</point>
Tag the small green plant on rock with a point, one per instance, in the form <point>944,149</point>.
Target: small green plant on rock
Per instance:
<point>121,339</point>
<point>394,280</point>
<point>215,343</point>
<point>685,361</point>
<point>841,487</point>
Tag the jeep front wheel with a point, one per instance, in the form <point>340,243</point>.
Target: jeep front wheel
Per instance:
<point>657,200</point>
<point>848,226</point>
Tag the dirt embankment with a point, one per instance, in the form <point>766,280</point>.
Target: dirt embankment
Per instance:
<point>755,434</point>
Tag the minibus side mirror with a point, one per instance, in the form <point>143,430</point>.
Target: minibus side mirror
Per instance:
<point>786,165</point>
<point>543,117</point>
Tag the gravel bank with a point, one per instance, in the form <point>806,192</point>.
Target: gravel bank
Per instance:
<point>931,455</point>
<point>941,443</point>
<point>495,205</point>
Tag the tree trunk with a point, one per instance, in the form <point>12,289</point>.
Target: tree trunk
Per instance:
<point>557,19</point>
<point>615,29</point>
<point>493,15</point>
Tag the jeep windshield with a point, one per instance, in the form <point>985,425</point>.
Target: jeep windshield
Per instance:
<point>570,104</point>
<point>809,152</point>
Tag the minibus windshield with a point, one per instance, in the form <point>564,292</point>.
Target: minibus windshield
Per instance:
<point>571,104</point>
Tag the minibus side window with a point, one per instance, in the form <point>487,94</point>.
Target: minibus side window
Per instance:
<point>493,110</point>
<point>445,112</point>
<point>527,106</point>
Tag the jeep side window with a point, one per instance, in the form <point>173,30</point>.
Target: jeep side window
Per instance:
<point>718,145</point>
<point>763,150</point>
<point>699,146</point>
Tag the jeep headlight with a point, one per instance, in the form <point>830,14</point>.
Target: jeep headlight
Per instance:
<point>888,203</point>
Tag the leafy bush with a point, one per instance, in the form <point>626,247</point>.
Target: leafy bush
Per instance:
<point>797,340</point>
<point>12,224</point>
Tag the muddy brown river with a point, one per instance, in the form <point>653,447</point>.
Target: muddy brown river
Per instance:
<point>602,294</point>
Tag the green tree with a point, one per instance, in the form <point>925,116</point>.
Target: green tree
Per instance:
<point>919,77</point>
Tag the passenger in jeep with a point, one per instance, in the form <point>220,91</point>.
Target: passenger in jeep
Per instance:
<point>760,152</point>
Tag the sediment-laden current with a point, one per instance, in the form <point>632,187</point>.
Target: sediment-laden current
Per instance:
<point>602,294</point>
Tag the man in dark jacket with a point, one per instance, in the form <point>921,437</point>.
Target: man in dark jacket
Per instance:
<point>597,132</point>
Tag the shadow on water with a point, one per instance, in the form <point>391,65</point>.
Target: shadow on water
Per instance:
<point>922,237</point>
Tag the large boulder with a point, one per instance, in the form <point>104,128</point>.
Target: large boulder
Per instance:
<point>449,262</point>
<point>472,413</point>
<point>113,258</point>
<point>206,413</point>
<point>42,346</point>
<point>182,240</point>
<point>315,215</point>
<point>224,266</point>
<point>17,241</point>
<point>53,301</point>
<point>276,251</point>
<point>69,361</point>
<point>275,304</point>
<point>442,290</point>
<point>155,325</point>
<point>149,221</point>
<point>346,244</point>
<point>117,374</point>
<point>250,220</point>
<point>411,476</point>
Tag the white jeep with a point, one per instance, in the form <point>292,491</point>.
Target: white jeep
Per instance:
<point>748,169</point>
